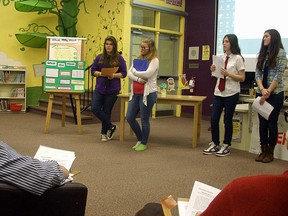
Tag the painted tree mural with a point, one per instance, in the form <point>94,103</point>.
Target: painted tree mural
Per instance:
<point>66,12</point>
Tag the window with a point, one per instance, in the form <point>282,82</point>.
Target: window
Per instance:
<point>143,17</point>
<point>248,20</point>
<point>169,22</point>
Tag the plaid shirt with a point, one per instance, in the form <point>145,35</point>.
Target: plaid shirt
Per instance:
<point>274,73</point>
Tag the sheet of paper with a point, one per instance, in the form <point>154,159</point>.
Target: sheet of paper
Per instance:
<point>201,196</point>
<point>182,206</point>
<point>63,157</point>
<point>219,63</point>
<point>107,72</point>
<point>264,110</point>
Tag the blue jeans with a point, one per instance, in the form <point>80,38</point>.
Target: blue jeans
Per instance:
<point>136,105</point>
<point>268,129</point>
<point>102,105</point>
<point>229,105</point>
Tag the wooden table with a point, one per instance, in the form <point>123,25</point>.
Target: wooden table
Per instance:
<point>184,100</point>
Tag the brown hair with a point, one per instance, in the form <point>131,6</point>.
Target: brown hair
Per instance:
<point>114,57</point>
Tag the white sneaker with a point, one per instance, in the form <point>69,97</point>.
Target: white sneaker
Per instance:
<point>212,149</point>
<point>224,151</point>
<point>104,138</point>
<point>137,144</point>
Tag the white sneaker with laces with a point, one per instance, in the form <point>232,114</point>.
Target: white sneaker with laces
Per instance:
<point>104,138</point>
<point>137,144</point>
<point>224,151</point>
<point>213,148</point>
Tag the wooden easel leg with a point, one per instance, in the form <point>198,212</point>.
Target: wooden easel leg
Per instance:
<point>78,113</point>
<point>49,110</point>
<point>63,109</point>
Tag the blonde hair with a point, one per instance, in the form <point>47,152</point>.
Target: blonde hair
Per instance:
<point>152,49</point>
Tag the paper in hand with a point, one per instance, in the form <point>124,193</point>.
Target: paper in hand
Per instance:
<point>108,72</point>
<point>218,61</point>
<point>264,110</point>
<point>63,157</point>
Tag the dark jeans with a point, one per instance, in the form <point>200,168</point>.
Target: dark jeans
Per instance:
<point>136,105</point>
<point>268,129</point>
<point>229,105</point>
<point>102,105</point>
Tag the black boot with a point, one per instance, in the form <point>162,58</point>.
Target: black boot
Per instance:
<point>264,149</point>
<point>269,155</point>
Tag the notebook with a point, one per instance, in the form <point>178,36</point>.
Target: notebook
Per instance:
<point>140,64</point>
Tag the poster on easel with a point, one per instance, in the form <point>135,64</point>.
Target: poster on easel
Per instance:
<point>68,76</point>
<point>65,67</point>
<point>65,48</point>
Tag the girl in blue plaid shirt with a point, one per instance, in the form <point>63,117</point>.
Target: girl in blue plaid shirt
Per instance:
<point>270,67</point>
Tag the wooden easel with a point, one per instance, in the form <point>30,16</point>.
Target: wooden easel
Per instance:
<point>78,112</point>
<point>53,44</point>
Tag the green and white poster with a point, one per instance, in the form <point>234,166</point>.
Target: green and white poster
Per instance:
<point>64,76</point>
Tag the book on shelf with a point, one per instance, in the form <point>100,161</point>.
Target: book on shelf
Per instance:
<point>16,78</point>
<point>18,92</point>
<point>4,104</point>
<point>1,76</point>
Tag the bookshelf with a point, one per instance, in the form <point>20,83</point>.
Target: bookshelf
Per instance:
<point>12,89</point>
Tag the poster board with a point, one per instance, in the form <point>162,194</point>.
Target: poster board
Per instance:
<point>65,48</point>
<point>65,67</point>
<point>64,76</point>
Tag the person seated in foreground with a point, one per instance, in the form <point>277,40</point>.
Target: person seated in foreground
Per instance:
<point>252,195</point>
<point>263,195</point>
<point>151,209</point>
<point>29,174</point>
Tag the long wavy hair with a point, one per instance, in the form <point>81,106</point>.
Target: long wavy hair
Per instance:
<point>114,55</point>
<point>152,49</point>
<point>271,51</point>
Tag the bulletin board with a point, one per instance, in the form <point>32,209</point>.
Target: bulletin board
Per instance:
<point>64,76</point>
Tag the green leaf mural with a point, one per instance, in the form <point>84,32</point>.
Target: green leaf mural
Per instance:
<point>33,5</point>
<point>34,40</point>
<point>65,10</point>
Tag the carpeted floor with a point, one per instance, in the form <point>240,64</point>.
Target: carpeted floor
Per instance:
<point>120,181</point>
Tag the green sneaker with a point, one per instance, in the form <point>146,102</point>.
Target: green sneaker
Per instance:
<point>141,147</point>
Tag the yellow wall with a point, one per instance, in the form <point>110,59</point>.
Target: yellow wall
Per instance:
<point>96,20</point>
<point>94,25</point>
<point>11,21</point>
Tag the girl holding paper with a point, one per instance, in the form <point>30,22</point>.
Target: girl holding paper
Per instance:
<point>108,86</point>
<point>143,93</point>
<point>270,67</point>
<point>226,95</point>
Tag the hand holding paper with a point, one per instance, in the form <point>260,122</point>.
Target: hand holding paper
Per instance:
<point>219,63</point>
<point>63,157</point>
<point>201,196</point>
<point>264,110</point>
<point>108,72</point>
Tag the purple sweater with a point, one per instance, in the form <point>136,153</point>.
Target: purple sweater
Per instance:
<point>103,85</point>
